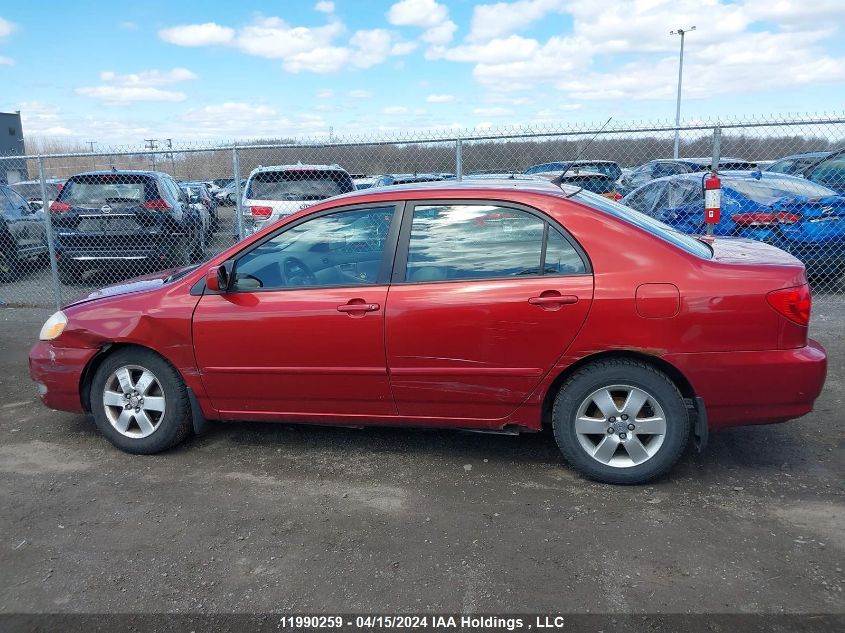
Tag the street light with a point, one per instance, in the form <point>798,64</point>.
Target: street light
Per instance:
<point>680,32</point>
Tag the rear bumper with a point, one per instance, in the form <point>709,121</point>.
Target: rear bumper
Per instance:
<point>83,247</point>
<point>740,388</point>
<point>57,371</point>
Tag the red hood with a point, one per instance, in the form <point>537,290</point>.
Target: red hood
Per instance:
<point>136,284</point>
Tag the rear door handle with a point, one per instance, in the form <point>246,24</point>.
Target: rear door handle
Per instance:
<point>553,300</point>
<point>358,307</point>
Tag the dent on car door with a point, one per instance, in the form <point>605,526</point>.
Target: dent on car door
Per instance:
<point>474,319</point>
<point>301,331</point>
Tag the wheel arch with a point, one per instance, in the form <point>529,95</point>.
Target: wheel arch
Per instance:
<point>106,350</point>
<point>672,372</point>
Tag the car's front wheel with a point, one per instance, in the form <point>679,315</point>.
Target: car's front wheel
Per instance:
<point>620,421</point>
<point>140,402</point>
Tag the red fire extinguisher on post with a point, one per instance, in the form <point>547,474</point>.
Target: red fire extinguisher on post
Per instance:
<point>712,201</point>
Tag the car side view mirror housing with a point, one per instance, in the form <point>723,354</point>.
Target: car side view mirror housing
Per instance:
<point>217,278</point>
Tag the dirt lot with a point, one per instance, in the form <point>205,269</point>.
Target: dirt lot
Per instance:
<point>253,517</point>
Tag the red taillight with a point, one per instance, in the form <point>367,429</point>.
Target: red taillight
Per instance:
<point>157,204</point>
<point>261,212</point>
<point>759,218</point>
<point>60,186</point>
<point>59,207</point>
<point>793,303</point>
<point>617,196</point>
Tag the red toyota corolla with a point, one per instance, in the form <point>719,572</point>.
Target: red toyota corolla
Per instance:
<point>488,306</point>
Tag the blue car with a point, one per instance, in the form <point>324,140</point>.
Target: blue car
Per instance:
<point>801,217</point>
<point>796,164</point>
<point>829,171</point>
<point>662,167</point>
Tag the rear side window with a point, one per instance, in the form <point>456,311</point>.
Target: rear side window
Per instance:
<point>644,222</point>
<point>298,184</point>
<point>482,241</point>
<point>107,189</point>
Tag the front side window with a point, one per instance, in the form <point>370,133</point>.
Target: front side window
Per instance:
<point>478,241</point>
<point>341,249</point>
<point>830,172</point>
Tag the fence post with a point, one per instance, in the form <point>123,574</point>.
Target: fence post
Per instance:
<point>459,158</point>
<point>239,212</point>
<point>714,164</point>
<point>48,226</point>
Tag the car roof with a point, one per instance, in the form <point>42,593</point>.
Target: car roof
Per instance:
<point>121,172</point>
<point>730,174</point>
<point>486,188</point>
<point>298,166</point>
<point>805,155</point>
<point>50,181</point>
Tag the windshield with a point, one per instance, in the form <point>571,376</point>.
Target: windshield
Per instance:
<point>105,189</point>
<point>767,190</point>
<point>298,185</point>
<point>596,184</point>
<point>32,190</point>
<point>644,222</point>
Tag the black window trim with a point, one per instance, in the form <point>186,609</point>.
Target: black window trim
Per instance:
<point>401,259</point>
<point>387,260</point>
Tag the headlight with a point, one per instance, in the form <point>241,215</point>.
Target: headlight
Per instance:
<point>54,326</point>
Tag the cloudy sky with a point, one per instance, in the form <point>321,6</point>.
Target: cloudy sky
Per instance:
<point>214,70</point>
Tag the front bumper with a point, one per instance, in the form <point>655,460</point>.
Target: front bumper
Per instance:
<point>756,387</point>
<point>58,373</point>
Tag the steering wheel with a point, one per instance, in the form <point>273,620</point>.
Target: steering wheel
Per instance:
<point>297,273</point>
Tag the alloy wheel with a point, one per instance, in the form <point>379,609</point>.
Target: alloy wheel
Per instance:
<point>620,426</point>
<point>134,401</point>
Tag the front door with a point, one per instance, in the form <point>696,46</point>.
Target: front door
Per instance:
<point>301,330</point>
<point>487,299</point>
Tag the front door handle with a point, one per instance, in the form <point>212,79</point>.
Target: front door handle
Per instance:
<point>358,307</point>
<point>553,300</point>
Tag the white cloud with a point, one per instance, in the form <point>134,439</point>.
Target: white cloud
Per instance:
<point>429,15</point>
<point>127,94</point>
<point>6,27</point>
<point>493,111</point>
<point>206,34</point>
<point>142,86</point>
<point>440,98</point>
<point>324,6</point>
<point>301,49</point>
<point>491,21</point>
<point>512,48</point>
<point>325,93</point>
<point>149,77</point>
<point>6,61</point>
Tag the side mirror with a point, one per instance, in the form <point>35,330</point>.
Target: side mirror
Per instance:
<point>35,206</point>
<point>217,278</point>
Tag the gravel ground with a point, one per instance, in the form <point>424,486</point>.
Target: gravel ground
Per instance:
<point>252,517</point>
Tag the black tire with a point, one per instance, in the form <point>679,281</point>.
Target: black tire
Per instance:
<point>175,423</point>
<point>69,273</point>
<point>596,376</point>
<point>198,251</point>
<point>9,263</point>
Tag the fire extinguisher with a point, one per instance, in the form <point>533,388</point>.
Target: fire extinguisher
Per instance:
<point>712,201</point>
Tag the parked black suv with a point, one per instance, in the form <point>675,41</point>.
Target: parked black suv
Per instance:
<point>125,217</point>
<point>22,234</point>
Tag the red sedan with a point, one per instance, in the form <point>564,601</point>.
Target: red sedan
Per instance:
<point>489,306</point>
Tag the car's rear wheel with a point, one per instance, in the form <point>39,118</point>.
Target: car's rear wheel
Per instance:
<point>140,402</point>
<point>620,421</point>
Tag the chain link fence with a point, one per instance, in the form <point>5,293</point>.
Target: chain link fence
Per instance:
<point>75,221</point>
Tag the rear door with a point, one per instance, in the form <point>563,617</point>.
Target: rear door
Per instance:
<point>474,320</point>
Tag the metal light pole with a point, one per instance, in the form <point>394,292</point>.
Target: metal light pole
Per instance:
<point>680,32</point>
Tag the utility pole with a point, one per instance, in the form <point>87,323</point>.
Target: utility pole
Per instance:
<point>152,143</point>
<point>91,144</point>
<point>172,162</point>
<point>682,33</point>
